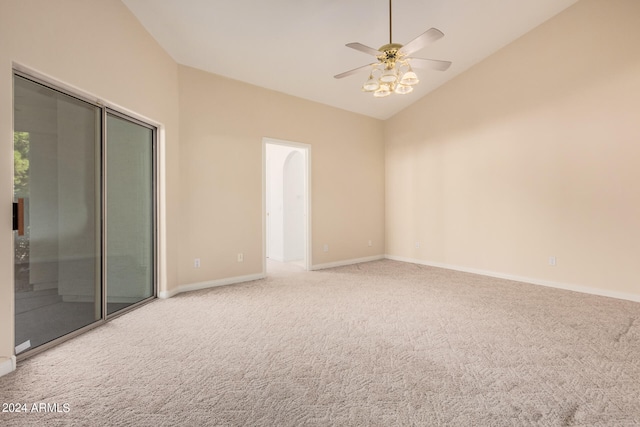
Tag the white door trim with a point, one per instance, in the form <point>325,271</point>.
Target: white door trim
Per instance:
<point>307,188</point>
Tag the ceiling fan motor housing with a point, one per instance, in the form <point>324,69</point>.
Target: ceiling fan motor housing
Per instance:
<point>390,54</point>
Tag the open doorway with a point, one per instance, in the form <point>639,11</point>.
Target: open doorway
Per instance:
<point>286,205</point>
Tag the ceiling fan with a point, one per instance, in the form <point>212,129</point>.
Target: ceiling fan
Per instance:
<point>394,63</point>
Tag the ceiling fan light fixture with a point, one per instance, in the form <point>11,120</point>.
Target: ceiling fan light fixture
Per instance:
<point>389,76</point>
<point>371,85</point>
<point>409,78</point>
<point>393,69</point>
<point>384,90</point>
<point>403,89</point>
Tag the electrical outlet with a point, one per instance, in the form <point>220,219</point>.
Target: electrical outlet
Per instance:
<point>417,245</point>
<point>325,248</point>
<point>196,263</point>
<point>552,261</point>
<point>240,257</point>
<point>370,243</point>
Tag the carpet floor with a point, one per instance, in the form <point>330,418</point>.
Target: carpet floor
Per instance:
<point>381,343</point>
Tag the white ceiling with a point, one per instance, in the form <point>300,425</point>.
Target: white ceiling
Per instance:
<point>297,46</point>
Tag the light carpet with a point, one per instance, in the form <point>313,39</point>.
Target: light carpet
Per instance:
<point>381,343</point>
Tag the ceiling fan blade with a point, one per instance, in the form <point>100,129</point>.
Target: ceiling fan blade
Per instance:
<point>422,40</point>
<point>363,48</point>
<point>354,71</point>
<point>433,64</point>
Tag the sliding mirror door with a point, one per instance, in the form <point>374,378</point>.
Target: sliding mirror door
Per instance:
<point>56,214</point>
<point>129,212</point>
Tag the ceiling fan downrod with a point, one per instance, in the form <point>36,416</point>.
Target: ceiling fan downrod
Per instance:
<point>390,42</point>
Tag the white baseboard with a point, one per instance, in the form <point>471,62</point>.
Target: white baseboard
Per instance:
<point>346,262</point>
<point>210,284</point>
<point>532,281</point>
<point>7,365</point>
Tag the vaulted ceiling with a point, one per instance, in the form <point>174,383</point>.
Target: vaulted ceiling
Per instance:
<point>297,46</point>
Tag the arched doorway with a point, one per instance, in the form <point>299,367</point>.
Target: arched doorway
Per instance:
<point>286,203</point>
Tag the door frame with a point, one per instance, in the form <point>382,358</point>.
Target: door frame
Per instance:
<point>306,148</point>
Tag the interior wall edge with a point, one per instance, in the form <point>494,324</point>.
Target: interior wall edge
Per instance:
<point>528,280</point>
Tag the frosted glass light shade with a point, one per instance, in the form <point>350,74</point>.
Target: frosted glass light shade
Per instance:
<point>409,78</point>
<point>384,90</point>
<point>403,89</point>
<point>389,76</point>
<point>370,85</point>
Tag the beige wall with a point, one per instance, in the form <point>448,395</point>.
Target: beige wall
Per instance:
<point>533,153</point>
<point>222,123</point>
<point>99,47</point>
